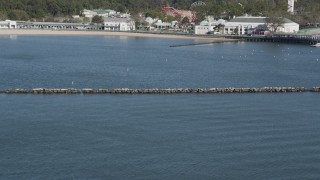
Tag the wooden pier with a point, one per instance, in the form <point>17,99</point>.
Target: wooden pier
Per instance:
<point>281,38</point>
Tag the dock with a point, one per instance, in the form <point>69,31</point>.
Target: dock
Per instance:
<point>281,38</point>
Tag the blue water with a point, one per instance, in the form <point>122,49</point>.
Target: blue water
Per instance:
<point>186,136</point>
<point>123,62</point>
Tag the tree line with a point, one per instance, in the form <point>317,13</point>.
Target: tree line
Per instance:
<point>307,10</point>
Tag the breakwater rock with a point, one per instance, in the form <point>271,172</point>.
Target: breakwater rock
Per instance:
<point>161,91</point>
<point>316,89</point>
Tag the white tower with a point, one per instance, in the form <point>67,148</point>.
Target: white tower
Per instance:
<point>291,6</point>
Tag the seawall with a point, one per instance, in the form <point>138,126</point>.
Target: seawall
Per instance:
<point>162,91</point>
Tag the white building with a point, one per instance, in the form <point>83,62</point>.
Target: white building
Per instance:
<point>166,25</point>
<point>101,12</point>
<point>246,24</point>
<point>288,27</point>
<point>205,27</point>
<point>88,13</point>
<point>150,20</point>
<point>162,25</point>
<point>118,24</point>
<point>7,24</point>
<point>241,25</point>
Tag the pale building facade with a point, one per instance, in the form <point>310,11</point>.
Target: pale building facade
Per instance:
<point>8,24</point>
<point>288,27</point>
<point>203,29</point>
<point>206,27</point>
<point>246,24</point>
<point>118,24</point>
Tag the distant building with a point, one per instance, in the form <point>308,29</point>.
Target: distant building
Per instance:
<point>248,24</point>
<point>166,25</point>
<point>8,24</point>
<point>149,20</point>
<point>243,24</point>
<point>205,27</point>
<point>100,12</point>
<point>118,24</point>
<point>55,26</point>
<point>88,13</point>
<point>288,27</point>
<point>162,25</point>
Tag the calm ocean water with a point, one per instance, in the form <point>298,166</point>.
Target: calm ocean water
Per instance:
<point>114,62</point>
<point>229,136</point>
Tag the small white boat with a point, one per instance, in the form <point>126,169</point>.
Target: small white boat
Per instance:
<point>316,45</point>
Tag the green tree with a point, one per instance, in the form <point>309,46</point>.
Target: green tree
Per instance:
<point>3,15</point>
<point>169,18</point>
<point>185,22</point>
<point>86,20</point>
<point>97,19</point>
<point>18,15</point>
<point>274,22</point>
<point>53,8</point>
<point>235,10</point>
<point>201,12</point>
<point>219,27</point>
<point>154,13</point>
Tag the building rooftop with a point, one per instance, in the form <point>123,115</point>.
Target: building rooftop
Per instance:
<point>251,19</point>
<point>163,24</point>
<point>116,19</point>
<point>51,23</point>
<point>288,20</point>
<point>103,11</point>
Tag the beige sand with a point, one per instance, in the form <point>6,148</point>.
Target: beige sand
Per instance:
<point>28,32</point>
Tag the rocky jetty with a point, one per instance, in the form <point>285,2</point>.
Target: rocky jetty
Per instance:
<point>316,89</point>
<point>162,91</point>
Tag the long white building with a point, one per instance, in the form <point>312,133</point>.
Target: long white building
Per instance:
<point>244,24</point>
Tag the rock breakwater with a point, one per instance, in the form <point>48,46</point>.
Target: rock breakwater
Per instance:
<point>162,91</point>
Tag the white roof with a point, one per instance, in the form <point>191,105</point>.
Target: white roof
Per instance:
<point>115,19</point>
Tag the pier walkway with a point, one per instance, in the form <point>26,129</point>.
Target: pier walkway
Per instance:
<point>281,38</point>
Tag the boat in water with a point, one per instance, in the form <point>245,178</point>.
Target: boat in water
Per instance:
<point>316,45</point>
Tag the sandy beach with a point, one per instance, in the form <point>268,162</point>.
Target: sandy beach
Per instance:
<point>31,32</point>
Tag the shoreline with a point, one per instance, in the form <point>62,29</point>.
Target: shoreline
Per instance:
<point>38,32</point>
